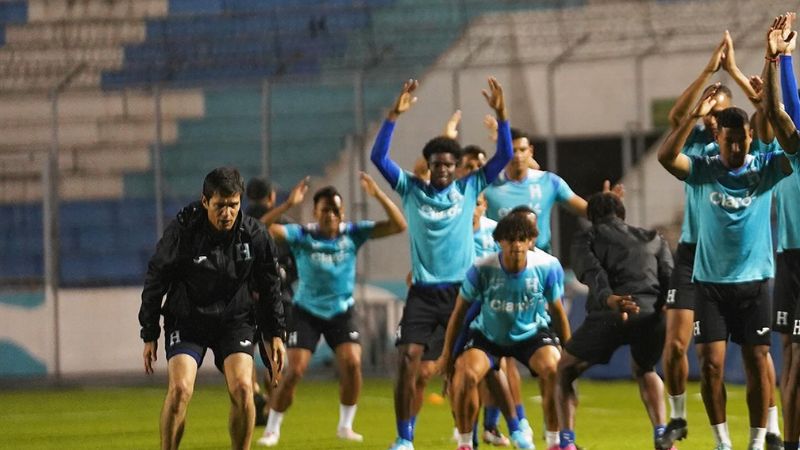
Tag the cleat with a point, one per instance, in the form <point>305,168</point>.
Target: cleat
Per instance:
<point>349,435</point>
<point>676,430</point>
<point>269,439</point>
<point>402,444</point>
<point>773,442</point>
<point>260,403</point>
<point>464,447</point>
<point>455,434</point>
<point>496,438</point>
<point>526,429</point>
<point>520,440</point>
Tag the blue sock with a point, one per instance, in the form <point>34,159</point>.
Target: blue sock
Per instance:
<point>475,440</point>
<point>565,438</point>
<point>520,412</point>
<point>490,417</point>
<point>790,445</point>
<point>405,429</point>
<point>513,424</point>
<point>658,430</point>
<point>413,421</point>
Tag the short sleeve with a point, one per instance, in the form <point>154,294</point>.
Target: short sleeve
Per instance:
<point>403,183</point>
<point>294,233</point>
<point>470,288</point>
<point>361,231</point>
<point>561,188</point>
<point>554,283</point>
<point>699,169</point>
<point>795,162</point>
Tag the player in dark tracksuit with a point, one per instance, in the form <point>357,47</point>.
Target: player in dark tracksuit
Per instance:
<point>206,263</point>
<point>627,270</point>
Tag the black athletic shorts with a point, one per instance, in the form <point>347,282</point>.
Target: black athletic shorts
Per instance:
<point>436,344</point>
<point>193,336</point>
<point>682,291</point>
<point>427,308</point>
<point>603,332</point>
<point>739,310</point>
<point>306,329</point>
<point>786,294</point>
<point>521,351</point>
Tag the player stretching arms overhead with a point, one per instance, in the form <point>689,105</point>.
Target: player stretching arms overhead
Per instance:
<point>326,260</point>
<point>439,216</point>
<point>733,259</point>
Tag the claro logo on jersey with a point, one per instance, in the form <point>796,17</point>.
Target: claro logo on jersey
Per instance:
<point>510,307</point>
<point>729,201</point>
<point>429,213</point>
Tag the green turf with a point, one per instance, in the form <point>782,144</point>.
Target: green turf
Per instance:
<point>609,417</point>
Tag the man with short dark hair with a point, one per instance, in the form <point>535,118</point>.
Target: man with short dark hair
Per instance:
<point>733,259</point>
<point>627,270</point>
<point>439,214</point>
<point>515,293</point>
<point>206,262</point>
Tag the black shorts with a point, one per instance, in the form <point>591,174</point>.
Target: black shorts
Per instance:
<point>739,310</point>
<point>603,332</point>
<point>786,294</point>
<point>193,336</point>
<point>427,308</point>
<point>435,345</point>
<point>521,351</point>
<point>306,328</point>
<point>682,291</point>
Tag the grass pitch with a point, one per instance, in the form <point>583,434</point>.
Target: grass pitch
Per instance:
<point>610,416</point>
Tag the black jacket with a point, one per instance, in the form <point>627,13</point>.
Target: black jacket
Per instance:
<point>208,274</point>
<point>613,257</point>
<point>284,254</point>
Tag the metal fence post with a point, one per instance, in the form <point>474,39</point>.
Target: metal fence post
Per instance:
<point>266,116</point>
<point>158,172</point>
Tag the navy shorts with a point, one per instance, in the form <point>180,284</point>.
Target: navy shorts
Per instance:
<point>740,311</point>
<point>521,351</point>
<point>786,294</point>
<point>193,336</point>
<point>425,317</point>
<point>307,328</point>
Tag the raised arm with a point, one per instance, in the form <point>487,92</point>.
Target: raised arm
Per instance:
<point>380,150</point>
<point>684,103</point>
<point>669,154</point>
<point>451,127</point>
<point>295,198</point>
<point>791,99</point>
<point>785,129</point>
<point>396,223</point>
<point>762,127</point>
<point>504,151</point>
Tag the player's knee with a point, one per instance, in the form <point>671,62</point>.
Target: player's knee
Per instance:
<point>179,393</point>
<point>241,390</point>
<point>675,349</point>
<point>295,374</point>
<point>549,371</point>
<point>351,364</point>
<point>467,375</point>
<point>408,356</point>
<point>711,368</point>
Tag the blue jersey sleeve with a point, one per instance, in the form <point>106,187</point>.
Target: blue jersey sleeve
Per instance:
<point>294,233</point>
<point>554,283</point>
<point>502,155</point>
<point>561,188</point>
<point>361,231</point>
<point>791,100</point>
<point>380,154</point>
<point>700,169</point>
<point>794,160</point>
<point>773,172</point>
<point>470,288</point>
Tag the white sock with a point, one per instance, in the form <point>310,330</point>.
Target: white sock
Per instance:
<point>274,422</point>
<point>677,406</point>
<point>757,436</point>
<point>772,421</point>
<point>346,416</point>
<point>465,439</point>
<point>721,435</point>
<point>551,437</point>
